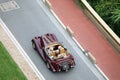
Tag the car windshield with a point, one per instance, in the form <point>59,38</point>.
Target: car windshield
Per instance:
<point>56,51</point>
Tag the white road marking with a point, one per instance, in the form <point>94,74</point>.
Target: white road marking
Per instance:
<point>8,6</point>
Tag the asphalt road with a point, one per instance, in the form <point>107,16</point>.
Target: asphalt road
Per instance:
<point>33,19</point>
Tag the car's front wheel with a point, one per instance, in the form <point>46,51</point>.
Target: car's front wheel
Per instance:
<point>33,45</point>
<point>48,66</point>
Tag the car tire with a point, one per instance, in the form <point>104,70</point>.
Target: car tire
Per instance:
<point>65,68</point>
<point>33,45</point>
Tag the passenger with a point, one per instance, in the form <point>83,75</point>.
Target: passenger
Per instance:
<point>50,49</point>
<point>53,54</point>
<point>57,52</point>
<point>62,50</point>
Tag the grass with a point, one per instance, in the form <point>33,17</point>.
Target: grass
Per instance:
<point>8,68</point>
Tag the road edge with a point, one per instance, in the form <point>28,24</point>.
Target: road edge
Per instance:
<point>18,54</point>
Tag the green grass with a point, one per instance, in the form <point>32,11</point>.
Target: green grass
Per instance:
<point>8,68</point>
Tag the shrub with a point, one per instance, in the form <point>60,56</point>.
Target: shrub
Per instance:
<point>109,10</point>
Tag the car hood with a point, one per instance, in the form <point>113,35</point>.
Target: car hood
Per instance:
<point>49,38</point>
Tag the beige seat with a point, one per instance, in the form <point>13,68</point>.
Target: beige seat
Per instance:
<point>53,53</point>
<point>62,50</point>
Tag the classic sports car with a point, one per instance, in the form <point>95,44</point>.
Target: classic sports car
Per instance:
<point>53,53</point>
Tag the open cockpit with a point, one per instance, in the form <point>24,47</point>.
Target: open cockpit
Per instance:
<point>56,51</point>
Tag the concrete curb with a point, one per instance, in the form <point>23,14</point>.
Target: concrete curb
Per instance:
<point>64,27</point>
<point>70,32</point>
<point>48,4</point>
<point>90,56</point>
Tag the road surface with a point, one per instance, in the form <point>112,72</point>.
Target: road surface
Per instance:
<point>33,19</point>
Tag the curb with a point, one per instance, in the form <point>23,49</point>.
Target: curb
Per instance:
<point>48,4</point>
<point>70,32</point>
<point>90,56</point>
<point>64,27</point>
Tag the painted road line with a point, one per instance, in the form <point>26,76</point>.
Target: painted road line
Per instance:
<point>24,54</point>
<point>101,72</point>
<point>78,44</point>
<point>58,19</point>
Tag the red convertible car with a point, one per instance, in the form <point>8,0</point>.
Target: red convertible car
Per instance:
<point>53,53</point>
